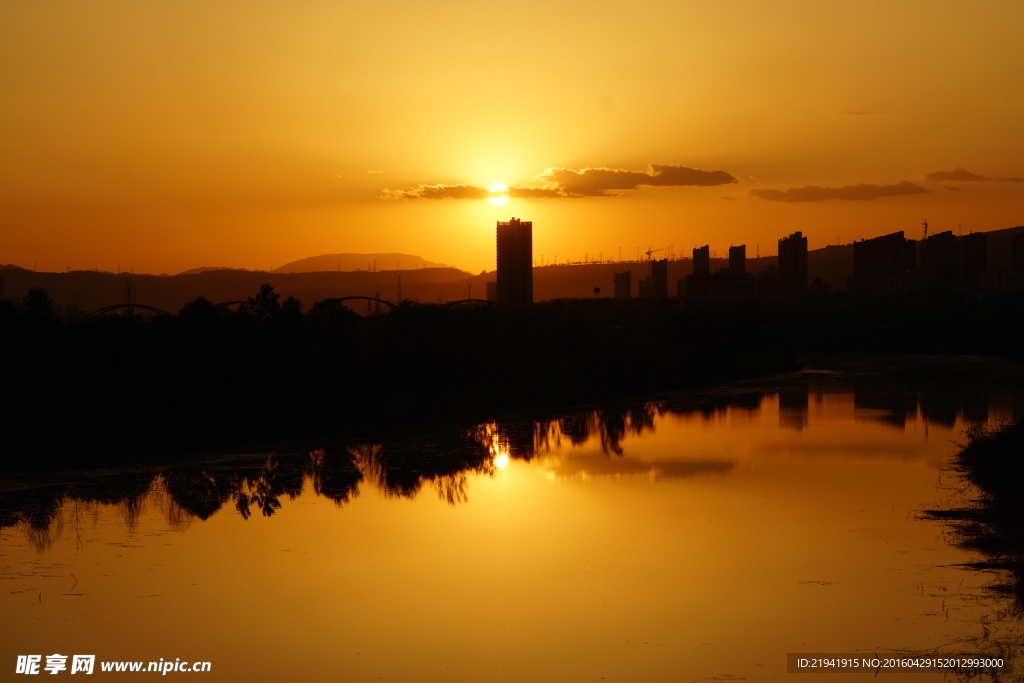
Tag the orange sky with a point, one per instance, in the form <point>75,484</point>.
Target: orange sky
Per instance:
<point>169,135</point>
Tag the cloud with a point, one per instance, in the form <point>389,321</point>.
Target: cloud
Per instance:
<point>862,192</point>
<point>964,176</point>
<point>565,183</point>
<point>601,182</point>
<point>527,192</point>
<point>440,192</point>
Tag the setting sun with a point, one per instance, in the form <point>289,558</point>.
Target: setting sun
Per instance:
<point>501,200</point>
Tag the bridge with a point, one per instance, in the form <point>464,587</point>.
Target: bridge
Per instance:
<point>343,299</point>
<point>129,307</point>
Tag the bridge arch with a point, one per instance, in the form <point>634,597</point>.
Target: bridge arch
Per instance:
<point>115,307</point>
<point>343,299</point>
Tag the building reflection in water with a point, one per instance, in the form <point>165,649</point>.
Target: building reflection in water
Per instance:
<point>793,408</point>
<point>401,467</point>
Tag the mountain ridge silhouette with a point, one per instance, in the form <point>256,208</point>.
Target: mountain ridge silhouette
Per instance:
<point>350,262</point>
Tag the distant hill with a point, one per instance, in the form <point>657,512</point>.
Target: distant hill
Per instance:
<point>353,262</point>
<point>86,291</point>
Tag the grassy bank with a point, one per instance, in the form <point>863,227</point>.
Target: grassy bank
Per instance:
<point>992,460</point>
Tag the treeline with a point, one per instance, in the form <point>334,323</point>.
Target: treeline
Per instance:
<point>212,375</point>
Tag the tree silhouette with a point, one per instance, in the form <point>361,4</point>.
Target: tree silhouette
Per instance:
<point>38,305</point>
<point>265,303</point>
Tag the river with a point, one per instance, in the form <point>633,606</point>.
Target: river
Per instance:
<point>689,537</point>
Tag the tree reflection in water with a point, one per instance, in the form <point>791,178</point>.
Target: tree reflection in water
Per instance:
<point>400,467</point>
<point>403,464</point>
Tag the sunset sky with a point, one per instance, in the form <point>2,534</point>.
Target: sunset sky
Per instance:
<point>169,135</point>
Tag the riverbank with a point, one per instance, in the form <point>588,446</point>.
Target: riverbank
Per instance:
<point>117,388</point>
<point>127,388</point>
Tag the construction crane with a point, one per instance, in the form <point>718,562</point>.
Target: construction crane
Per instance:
<point>651,250</point>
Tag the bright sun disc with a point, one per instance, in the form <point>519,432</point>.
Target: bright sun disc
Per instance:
<point>498,201</point>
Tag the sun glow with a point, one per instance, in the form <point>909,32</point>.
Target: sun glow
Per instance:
<point>498,201</point>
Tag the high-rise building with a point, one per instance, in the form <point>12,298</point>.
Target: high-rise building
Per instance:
<point>515,264</point>
<point>623,285</point>
<point>1017,251</point>
<point>698,283</point>
<point>793,264</point>
<point>659,276</point>
<point>937,255</point>
<point>702,260</point>
<point>655,286</point>
<point>973,258</point>
<point>738,260</point>
<point>879,261</point>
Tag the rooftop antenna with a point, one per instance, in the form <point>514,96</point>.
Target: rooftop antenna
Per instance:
<point>925,224</point>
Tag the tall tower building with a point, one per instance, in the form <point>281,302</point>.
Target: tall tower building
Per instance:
<point>702,260</point>
<point>974,258</point>
<point>738,260</point>
<point>515,264</point>
<point>698,283</point>
<point>656,285</point>
<point>877,262</point>
<point>623,285</point>
<point>793,264</point>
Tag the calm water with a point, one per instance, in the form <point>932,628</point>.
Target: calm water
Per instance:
<point>696,538</point>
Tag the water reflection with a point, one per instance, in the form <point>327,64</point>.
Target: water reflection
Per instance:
<point>694,536</point>
<point>402,466</point>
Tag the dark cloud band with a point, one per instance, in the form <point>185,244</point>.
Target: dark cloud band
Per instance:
<point>602,182</point>
<point>566,183</point>
<point>862,192</point>
<point>961,175</point>
<point>440,192</point>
